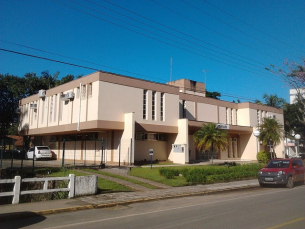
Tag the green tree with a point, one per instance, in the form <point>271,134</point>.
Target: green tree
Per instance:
<point>271,132</point>
<point>214,94</point>
<point>209,137</point>
<point>14,88</point>
<point>274,101</point>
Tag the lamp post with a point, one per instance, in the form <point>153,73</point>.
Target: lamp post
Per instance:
<point>297,137</point>
<point>256,133</point>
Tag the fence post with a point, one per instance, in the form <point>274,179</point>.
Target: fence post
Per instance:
<point>71,186</point>
<point>16,190</point>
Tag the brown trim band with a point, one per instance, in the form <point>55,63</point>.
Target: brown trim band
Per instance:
<point>155,128</point>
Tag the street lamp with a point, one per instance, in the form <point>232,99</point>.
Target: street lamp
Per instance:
<point>256,133</point>
<point>297,137</point>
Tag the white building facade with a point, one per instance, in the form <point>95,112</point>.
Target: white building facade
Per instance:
<point>118,119</point>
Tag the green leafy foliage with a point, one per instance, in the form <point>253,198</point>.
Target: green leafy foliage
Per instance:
<point>263,156</point>
<point>210,175</point>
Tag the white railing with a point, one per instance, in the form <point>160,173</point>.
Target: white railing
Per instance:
<point>17,192</point>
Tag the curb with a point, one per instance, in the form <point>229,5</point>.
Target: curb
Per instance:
<point>19,215</point>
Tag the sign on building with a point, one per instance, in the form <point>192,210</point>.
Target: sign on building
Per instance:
<point>222,126</point>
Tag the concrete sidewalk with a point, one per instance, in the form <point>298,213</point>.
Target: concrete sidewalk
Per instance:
<point>11,211</point>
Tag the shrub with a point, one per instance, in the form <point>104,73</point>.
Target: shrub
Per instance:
<point>263,156</point>
<point>169,173</point>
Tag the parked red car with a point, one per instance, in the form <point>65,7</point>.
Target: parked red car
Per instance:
<point>282,171</point>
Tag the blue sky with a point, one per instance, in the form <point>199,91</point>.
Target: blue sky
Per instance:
<point>233,41</point>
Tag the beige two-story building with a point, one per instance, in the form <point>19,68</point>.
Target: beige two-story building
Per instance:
<point>119,119</point>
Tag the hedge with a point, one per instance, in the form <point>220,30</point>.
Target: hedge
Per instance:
<point>210,175</point>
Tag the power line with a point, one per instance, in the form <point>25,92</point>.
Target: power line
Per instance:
<point>165,42</point>
<point>248,24</point>
<point>233,27</point>
<point>44,58</point>
<point>202,25</point>
<point>167,27</point>
<point>95,69</point>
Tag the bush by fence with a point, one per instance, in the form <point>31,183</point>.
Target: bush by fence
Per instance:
<point>211,175</point>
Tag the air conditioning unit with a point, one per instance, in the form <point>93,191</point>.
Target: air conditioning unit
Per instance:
<point>41,93</point>
<point>33,106</point>
<point>18,110</point>
<point>70,95</point>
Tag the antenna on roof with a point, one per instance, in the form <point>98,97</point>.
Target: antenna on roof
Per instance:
<point>171,71</point>
<point>205,76</point>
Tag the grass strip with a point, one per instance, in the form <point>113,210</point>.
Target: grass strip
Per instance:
<point>122,178</point>
<point>103,185</point>
<point>154,175</point>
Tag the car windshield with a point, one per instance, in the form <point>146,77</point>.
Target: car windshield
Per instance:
<point>278,164</point>
<point>43,148</point>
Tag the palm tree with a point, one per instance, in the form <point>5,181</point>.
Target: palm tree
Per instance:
<point>271,131</point>
<point>209,137</point>
<point>274,101</point>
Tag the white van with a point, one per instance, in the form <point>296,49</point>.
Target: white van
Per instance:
<point>40,152</point>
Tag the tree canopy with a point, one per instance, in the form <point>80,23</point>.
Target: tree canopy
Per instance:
<point>209,137</point>
<point>271,131</point>
<point>14,88</point>
<point>272,101</point>
<point>214,94</point>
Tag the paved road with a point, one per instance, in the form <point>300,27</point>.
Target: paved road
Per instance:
<point>254,208</point>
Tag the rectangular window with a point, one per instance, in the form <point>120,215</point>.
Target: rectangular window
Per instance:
<point>183,109</point>
<point>77,92</point>
<point>90,90</point>
<point>42,112</point>
<point>83,91</point>
<point>51,108</point>
<point>60,108</point>
<point>144,103</point>
<point>236,117</point>
<point>162,107</point>
<point>150,137</point>
<point>153,106</point>
<point>227,116</point>
<point>55,107</point>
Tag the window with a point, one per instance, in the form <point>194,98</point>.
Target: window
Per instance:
<point>258,117</point>
<point>55,108</point>
<point>51,108</point>
<point>236,117</point>
<point>60,108</point>
<point>183,109</point>
<point>153,106</point>
<point>54,138</point>
<point>42,113</point>
<point>144,104</point>
<point>91,136</point>
<point>231,117</point>
<point>150,137</point>
<point>77,92</point>
<point>90,90</point>
<point>162,107</point>
<point>83,91</point>
<point>227,116</point>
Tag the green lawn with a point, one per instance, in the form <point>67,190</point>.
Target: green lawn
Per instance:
<point>122,178</point>
<point>104,185</point>
<point>153,174</point>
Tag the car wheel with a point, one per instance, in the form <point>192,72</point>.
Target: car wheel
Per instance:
<point>262,184</point>
<point>289,183</point>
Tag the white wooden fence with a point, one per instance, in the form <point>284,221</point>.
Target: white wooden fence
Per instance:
<point>17,180</point>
